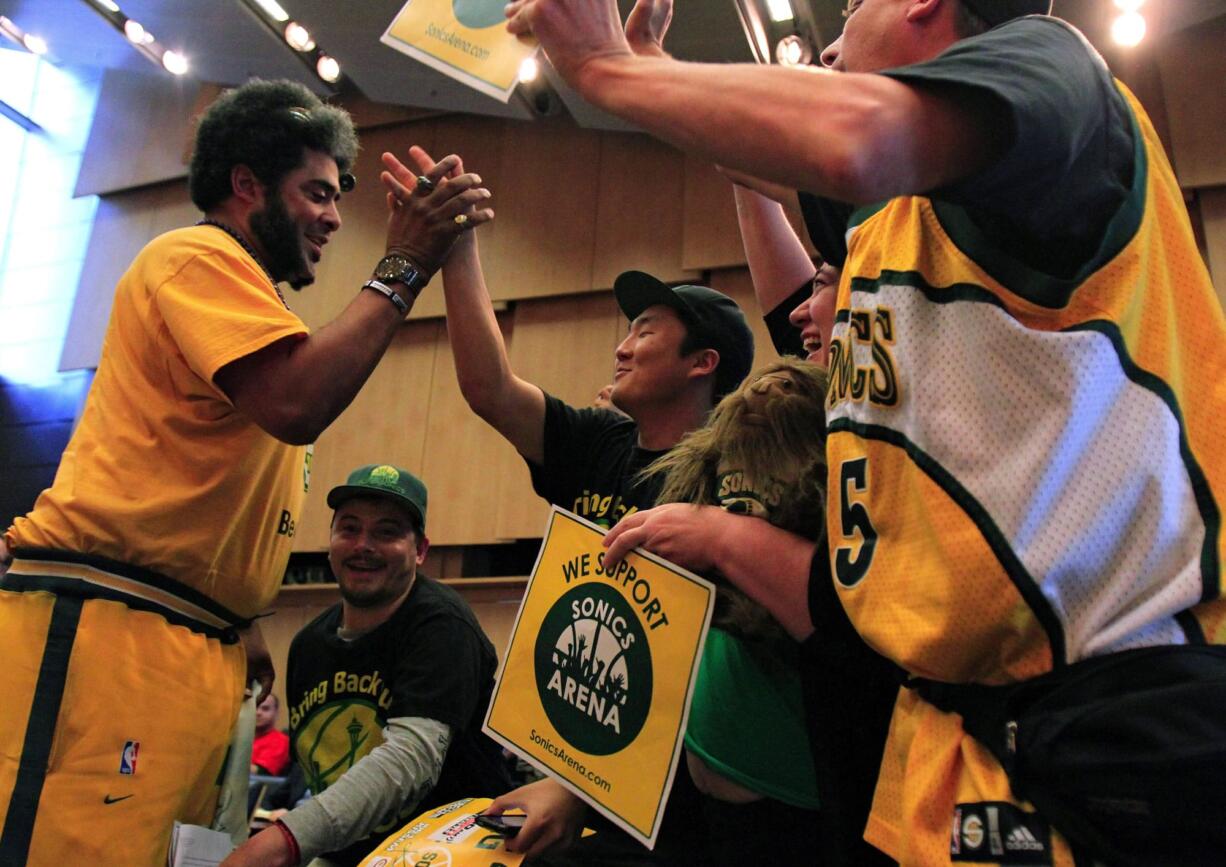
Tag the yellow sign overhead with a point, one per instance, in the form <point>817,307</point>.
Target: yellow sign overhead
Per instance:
<point>464,39</point>
<point>595,686</point>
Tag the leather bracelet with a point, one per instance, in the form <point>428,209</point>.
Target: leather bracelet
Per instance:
<point>383,289</point>
<point>294,851</point>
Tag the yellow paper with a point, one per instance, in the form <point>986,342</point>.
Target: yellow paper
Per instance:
<point>595,686</point>
<point>444,837</point>
<point>464,39</point>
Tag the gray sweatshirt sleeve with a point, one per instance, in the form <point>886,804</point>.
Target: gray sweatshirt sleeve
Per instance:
<point>400,770</point>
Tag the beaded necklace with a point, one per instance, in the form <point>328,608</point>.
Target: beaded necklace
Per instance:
<point>242,242</point>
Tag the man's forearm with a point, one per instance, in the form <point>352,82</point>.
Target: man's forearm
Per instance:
<point>852,137</point>
<point>515,408</point>
<point>778,262</point>
<point>771,566</point>
<point>295,389</point>
<point>400,770</point>
<point>482,367</point>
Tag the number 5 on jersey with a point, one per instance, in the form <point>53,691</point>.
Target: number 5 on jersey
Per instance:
<point>854,555</point>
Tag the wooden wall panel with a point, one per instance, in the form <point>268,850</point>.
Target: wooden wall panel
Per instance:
<point>711,238</point>
<point>639,217</point>
<point>123,224</point>
<point>736,283</point>
<point>461,461</point>
<point>544,202</point>
<point>140,133</point>
<point>564,345</point>
<point>1193,67</point>
<point>1213,217</point>
<point>386,423</point>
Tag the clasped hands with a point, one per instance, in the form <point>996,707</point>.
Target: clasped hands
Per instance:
<point>431,206</point>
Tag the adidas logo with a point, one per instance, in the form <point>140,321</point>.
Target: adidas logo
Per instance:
<point>1021,840</point>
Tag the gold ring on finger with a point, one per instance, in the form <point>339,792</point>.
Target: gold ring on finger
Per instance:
<point>461,220</point>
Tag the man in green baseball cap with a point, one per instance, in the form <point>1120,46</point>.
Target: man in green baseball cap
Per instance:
<point>385,691</point>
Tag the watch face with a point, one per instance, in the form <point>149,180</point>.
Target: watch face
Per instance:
<point>394,268</point>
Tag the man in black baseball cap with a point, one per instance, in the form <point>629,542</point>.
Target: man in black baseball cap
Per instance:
<point>684,348</point>
<point>712,319</point>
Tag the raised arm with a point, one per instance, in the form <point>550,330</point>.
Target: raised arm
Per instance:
<point>296,387</point>
<point>512,406</point>
<point>778,261</point>
<point>769,564</point>
<point>854,137</point>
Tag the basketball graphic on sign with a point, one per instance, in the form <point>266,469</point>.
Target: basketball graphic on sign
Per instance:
<point>479,14</point>
<point>593,669</point>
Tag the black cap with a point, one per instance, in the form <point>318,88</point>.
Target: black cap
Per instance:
<point>999,11</point>
<point>712,317</point>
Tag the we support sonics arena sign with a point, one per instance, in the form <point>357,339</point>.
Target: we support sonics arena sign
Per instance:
<point>464,39</point>
<point>595,686</point>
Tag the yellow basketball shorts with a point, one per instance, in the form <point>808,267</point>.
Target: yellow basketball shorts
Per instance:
<point>114,722</point>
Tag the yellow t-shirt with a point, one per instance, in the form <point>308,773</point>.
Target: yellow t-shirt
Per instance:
<point>163,472</point>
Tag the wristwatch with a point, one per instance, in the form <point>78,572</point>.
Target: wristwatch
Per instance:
<point>395,268</point>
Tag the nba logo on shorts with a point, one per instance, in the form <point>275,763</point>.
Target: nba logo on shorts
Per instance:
<point>127,760</point>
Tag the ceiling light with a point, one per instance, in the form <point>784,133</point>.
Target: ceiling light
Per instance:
<point>134,31</point>
<point>793,50</point>
<point>174,62</point>
<point>273,10</point>
<point>34,44</point>
<point>1128,29</point>
<point>529,69</point>
<point>28,41</point>
<point>779,10</point>
<point>327,67</point>
<point>298,37</point>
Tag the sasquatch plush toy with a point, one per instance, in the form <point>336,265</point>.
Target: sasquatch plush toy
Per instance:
<point>762,453</point>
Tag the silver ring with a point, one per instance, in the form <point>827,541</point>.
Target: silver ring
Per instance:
<point>461,220</point>
<point>425,184</point>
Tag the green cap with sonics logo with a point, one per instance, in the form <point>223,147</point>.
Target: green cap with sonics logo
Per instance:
<point>387,482</point>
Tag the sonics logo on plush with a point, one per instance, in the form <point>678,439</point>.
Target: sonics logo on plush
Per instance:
<point>593,669</point>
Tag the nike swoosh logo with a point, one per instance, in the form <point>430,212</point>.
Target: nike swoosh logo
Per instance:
<point>109,800</point>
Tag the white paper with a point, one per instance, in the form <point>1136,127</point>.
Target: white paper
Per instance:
<point>196,846</point>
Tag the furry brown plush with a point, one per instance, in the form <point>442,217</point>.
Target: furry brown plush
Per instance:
<point>762,453</point>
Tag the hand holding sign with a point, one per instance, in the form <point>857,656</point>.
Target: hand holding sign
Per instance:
<point>595,686</point>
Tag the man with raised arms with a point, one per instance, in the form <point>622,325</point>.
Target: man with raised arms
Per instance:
<point>170,520</point>
<point>990,519</point>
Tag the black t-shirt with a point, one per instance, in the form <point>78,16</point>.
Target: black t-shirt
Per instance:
<point>430,659</point>
<point>591,465</point>
<point>1065,137</point>
<point>784,335</point>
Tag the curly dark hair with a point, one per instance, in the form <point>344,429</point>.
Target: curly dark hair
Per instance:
<point>265,125</point>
